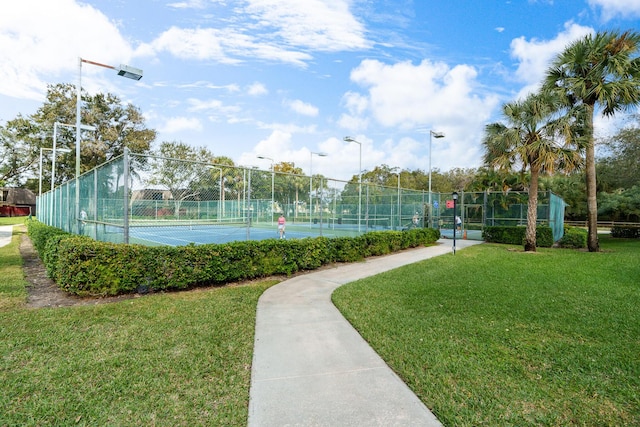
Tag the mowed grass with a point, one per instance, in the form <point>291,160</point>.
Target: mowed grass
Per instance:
<point>179,359</point>
<point>494,336</point>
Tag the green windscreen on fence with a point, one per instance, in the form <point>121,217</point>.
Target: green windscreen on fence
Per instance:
<point>152,200</point>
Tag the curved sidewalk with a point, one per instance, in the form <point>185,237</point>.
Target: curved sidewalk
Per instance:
<point>6,232</point>
<point>312,368</point>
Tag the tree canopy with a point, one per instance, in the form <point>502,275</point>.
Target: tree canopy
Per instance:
<point>597,71</point>
<point>117,126</point>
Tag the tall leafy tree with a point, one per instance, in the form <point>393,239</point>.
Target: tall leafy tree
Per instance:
<point>620,168</point>
<point>598,71</point>
<point>180,169</point>
<point>291,184</point>
<point>226,167</point>
<point>572,189</point>
<point>19,151</point>
<point>532,137</point>
<point>118,125</point>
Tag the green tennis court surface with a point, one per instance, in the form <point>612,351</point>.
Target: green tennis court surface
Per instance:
<point>179,233</point>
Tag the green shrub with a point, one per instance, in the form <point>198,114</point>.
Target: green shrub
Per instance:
<point>514,235</point>
<point>575,238</point>
<point>83,266</point>
<point>40,233</point>
<point>626,232</point>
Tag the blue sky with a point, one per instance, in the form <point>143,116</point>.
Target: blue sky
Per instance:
<point>285,78</point>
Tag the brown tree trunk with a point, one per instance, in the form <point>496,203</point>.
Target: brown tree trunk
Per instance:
<point>532,212</point>
<point>592,201</point>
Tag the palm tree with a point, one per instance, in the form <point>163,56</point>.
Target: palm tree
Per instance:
<point>534,137</point>
<point>602,70</point>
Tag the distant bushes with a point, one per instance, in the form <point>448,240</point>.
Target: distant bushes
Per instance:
<point>83,266</point>
<point>514,235</point>
<point>626,232</point>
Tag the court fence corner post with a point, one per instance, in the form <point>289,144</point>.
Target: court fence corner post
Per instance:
<point>125,196</point>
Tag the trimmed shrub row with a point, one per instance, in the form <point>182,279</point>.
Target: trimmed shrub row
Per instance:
<point>83,266</point>
<point>574,238</point>
<point>514,235</point>
<point>626,232</point>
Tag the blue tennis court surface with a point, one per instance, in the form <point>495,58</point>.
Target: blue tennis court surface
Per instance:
<point>180,237</point>
<point>184,235</point>
<point>198,233</point>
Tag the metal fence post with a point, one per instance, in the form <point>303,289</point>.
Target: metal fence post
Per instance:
<point>125,196</point>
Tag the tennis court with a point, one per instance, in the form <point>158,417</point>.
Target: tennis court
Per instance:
<point>180,233</point>
<point>152,200</point>
<point>204,234</point>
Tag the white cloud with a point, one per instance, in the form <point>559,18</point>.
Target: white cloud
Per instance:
<point>303,108</point>
<point>189,4</point>
<point>180,124</point>
<point>316,24</point>
<point>354,120</point>
<point>40,38</point>
<point>353,123</point>
<point>287,128</point>
<point>534,56</point>
<point>407,96</point>
<point>276,145</point>
<point>355,103</point>
<point>198,105</point>
<point>193,44</point>
<point>280,31</point>
<point>257,89</point>
<point>625,9</point>
<point>215,109</point>
<point>208,85</point>
<point>226,46</point>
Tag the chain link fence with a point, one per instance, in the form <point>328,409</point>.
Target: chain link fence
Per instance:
<point>161,201</point>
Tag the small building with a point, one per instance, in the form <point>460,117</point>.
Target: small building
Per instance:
<point>151,194</point>
<point>17,202</point>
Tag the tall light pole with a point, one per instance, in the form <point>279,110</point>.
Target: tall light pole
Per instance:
<point>273,174</point>
<point>60,150</point>
<point>350,139</point>
<point>55,143</point>
<point>436,135</point>
<point>122,70</point>
<point>319,154</point>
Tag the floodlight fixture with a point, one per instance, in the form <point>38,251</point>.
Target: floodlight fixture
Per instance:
<point>129,72</point>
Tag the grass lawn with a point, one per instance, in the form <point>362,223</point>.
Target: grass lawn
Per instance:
<point>490,336</point>
<point>494,336</point>
<point>180,359</point>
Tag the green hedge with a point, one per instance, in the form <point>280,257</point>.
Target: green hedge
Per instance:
<point>626,232</point>
<point>514,235</point>
<point>573,237</point>
<point>83,266</point>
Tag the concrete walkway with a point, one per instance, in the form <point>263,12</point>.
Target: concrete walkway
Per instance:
<point>312,368</point>
<point>6,232</point>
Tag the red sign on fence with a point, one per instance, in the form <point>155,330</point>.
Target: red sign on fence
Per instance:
<point>449,204</point>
